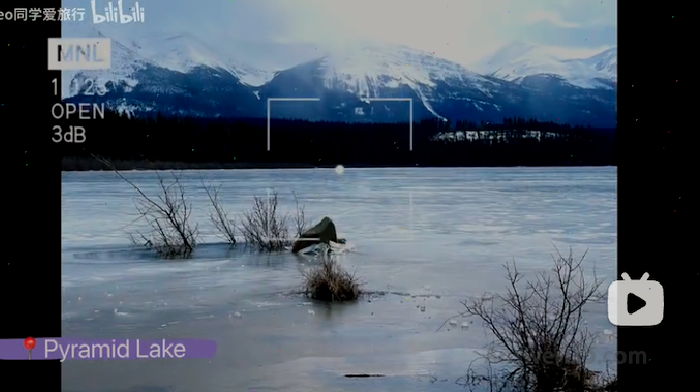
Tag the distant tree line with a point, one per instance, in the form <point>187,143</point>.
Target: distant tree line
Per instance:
<point>242,142</point>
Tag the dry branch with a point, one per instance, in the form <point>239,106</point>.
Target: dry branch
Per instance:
<point>170,233</point>
<point>264,227</point>
<point>538,329</point>
<point>225,227</point>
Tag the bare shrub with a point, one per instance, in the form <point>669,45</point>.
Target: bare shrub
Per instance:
<point>539,331</point>
<point>170,233</point>
<point>300,221</point>
<point>489,378</point>
<point>328,281</point>
<point>225,227</point>
<point>264,227</point>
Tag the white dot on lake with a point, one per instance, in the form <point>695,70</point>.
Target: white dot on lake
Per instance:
<point>339,169</point>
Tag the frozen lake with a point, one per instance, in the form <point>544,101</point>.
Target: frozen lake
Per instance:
<point>418,237</point>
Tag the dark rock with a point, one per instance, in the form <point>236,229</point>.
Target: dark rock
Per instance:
<point>323,232</point>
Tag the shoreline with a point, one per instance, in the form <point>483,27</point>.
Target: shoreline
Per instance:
<point>79,164</point>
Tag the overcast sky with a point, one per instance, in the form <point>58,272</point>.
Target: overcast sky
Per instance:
<point>473,28</point>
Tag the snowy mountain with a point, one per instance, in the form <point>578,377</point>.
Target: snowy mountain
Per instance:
<point>605,63</point>
<point>354,75</point>
<point>178,53</point>
<point>179,74</point>
<point>518,61</point>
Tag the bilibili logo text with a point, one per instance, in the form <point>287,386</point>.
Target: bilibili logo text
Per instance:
<point>117,14</point>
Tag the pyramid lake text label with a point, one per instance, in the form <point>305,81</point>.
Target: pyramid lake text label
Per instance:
<point>125,350</point>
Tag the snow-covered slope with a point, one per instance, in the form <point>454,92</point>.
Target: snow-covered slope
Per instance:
<point>605,63</point>
<point>368,71</point>
<point>179,74</point>
<point>125,62</point>
<point>179,52</point>
<point>438,87</point>
<point>509,54</point>
<point>518,60</point>
<point>183,52</point>
<point>365,69</point>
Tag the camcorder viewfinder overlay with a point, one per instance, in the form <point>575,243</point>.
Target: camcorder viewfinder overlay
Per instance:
<point>654,154</point>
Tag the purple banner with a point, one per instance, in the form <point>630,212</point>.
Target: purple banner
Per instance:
<point>68,349</point>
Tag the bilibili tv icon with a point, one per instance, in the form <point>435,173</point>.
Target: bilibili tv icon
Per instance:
<point>638,303</point>
<point>74,54</point>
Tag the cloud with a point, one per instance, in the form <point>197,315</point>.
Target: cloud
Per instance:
<point>472,29</point>
<point>566,53</point>
<point>549,17</point>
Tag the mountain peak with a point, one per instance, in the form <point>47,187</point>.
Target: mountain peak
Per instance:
<point>518,45</point>
<point>143,65</point>
<point>372,49</point>
<point>507,54</point>
<point>518,60</point>
<point>365,69</point>
<point>604,62</point>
